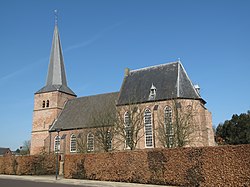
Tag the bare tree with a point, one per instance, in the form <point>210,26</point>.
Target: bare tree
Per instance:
<point>119,126</point>
<point>176,124</point>
<point>104,138</point>
<point>129,123</point>
<point>81,142</point>
<point>114,126</point>
<point>103,119</point>
<point>25,149</point>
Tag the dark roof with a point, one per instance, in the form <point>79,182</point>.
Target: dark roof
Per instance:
<point>56,78</point>
<point>78,112</point>
<point>61,88</point>
<point>4,150</point>
<point>170,80</point>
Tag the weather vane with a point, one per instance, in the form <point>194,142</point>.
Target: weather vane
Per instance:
<point>56,16</point>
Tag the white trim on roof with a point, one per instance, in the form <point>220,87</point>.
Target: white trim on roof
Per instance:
<point>153,67</point>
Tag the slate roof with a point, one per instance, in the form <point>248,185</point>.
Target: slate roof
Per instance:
<point>4,150</point>
<point>61,88</point>
<point>170,80</point>
<point>77,113</point>
<point>56,78</point>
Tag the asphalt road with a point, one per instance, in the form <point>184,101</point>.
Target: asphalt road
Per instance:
<point>23,183</point>
<point>49,181</point>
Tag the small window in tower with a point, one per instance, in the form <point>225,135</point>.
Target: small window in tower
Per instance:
<point>47,103</point>
<point>43,104</point>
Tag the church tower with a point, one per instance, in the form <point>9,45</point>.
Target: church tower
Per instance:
<point>49,101</point>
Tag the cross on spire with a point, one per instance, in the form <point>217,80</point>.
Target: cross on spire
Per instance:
<point>56,16</point>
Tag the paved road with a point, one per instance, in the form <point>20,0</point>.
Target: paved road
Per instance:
<point>49,181</point>
<point>23,183</point>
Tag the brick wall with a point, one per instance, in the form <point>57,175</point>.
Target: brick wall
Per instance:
<point>43,117</point>
<point>200,133</point>
<point>204,166</point>
<point>28,165</point>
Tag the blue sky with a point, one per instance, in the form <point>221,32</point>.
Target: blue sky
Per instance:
<point>101,38</point>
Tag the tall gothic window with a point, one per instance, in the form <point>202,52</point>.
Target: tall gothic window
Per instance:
<point>127,124</point>
<point>73,143</point>
<point>90,142</point>
<point>169,126</point>
<point>148,128</point>
<point>57,144</point>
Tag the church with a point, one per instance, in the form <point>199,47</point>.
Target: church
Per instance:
<point>156,107</point>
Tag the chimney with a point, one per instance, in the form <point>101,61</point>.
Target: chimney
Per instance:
<point>197,88</point>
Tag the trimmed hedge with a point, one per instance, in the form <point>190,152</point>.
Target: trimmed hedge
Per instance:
<point>203,166</point>
<point>28,165</point>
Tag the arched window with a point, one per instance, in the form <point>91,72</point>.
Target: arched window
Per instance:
<point>57,144</point>
<point>43,104</point>
<point>127,124</point>
<point>90,142</point>
<point>73,143</point>
<point>168,114</point>
<point>168,120</point>
<point>148,128</point>
<point>47,103</point>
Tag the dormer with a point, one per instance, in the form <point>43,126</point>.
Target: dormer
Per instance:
<point>152,93</point>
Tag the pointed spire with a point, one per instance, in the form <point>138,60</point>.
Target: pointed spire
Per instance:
<point>56,73</point>
<point>56,78</point>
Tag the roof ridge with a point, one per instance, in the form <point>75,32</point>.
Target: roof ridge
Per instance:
<point>154,66</point>
<point>94,95</point>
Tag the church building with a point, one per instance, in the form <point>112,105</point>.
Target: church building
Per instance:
<point>156,107</point>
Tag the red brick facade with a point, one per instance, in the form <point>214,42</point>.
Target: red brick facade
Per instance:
<point>47,107</point>
<point>201,135</point>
